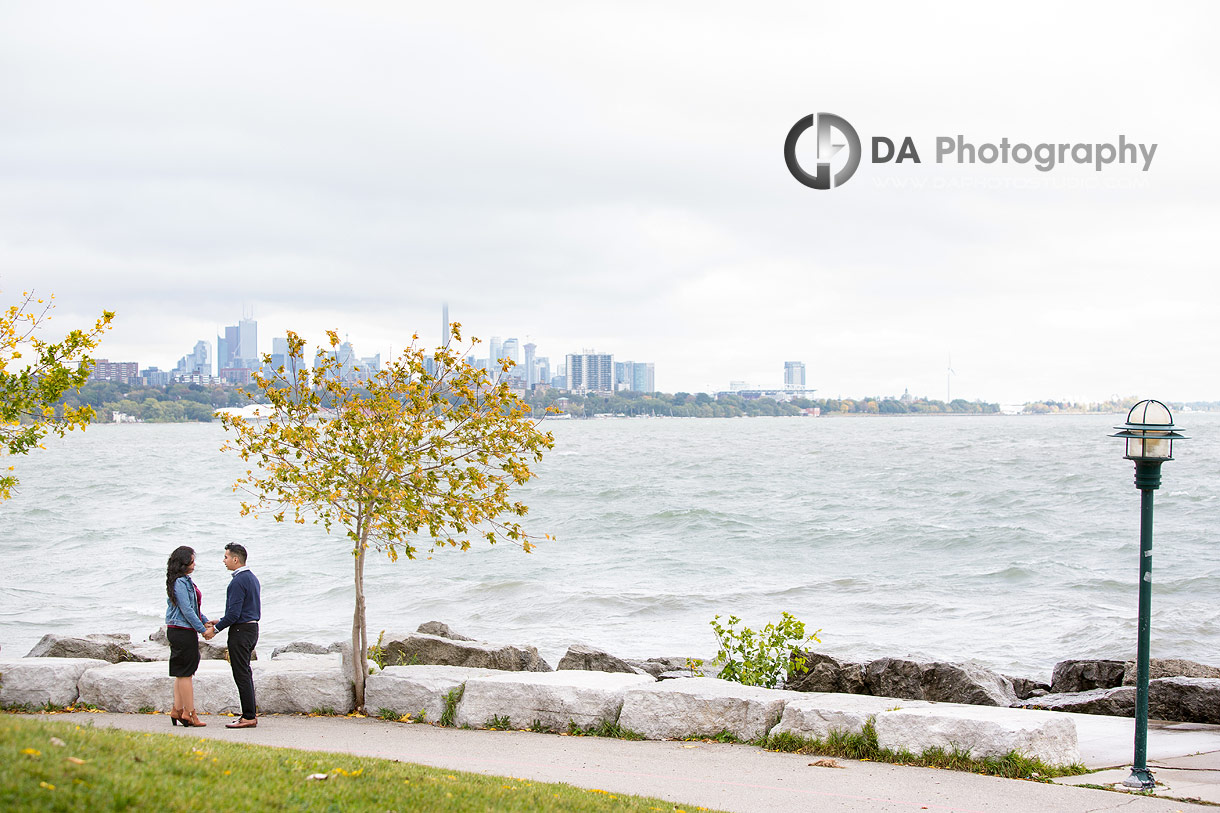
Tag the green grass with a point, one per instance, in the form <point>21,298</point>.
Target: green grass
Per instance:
<point>101,769</point>
<point>863,746</point>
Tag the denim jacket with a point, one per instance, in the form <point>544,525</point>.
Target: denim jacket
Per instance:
<point>187,612</point>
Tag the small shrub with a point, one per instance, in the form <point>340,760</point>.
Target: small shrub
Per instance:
<point>388,714</point>
<point>763,658</point>
<point>324,711</point>
<point>140,710</point>
<point>498,723</point>
<point>451,700</point>
<point>377,652</point>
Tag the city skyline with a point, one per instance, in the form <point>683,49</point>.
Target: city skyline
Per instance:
<point>637,204</point>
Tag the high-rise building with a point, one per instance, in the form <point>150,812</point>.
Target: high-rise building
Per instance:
<point>511,350</point>
<point>590,372</point>
<point>197,362</point>
<point>494,353</point>
<point>445,335</point>
<point>794,375</point>
<point>247,332</point>
<point>120,372</point>
<point>531,371</point>
<point>643,378</point>
<point>542,370</point>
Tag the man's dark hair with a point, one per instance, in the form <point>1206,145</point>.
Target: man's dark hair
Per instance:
<point>238,550</point>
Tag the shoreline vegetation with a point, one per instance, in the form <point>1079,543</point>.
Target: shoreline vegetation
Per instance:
<point>185,403</point>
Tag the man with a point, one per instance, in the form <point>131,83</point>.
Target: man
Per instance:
<point>243,608</point>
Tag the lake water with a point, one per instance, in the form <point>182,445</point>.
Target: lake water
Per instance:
<point>1011,541</point>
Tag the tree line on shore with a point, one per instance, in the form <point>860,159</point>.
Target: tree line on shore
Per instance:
<point>195,402</point>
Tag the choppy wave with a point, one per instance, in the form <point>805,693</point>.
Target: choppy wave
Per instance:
<point>953,538</point>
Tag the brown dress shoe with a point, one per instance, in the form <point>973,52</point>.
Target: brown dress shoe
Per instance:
<point>243,723</point>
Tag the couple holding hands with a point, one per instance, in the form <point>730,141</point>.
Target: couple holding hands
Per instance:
<point>185,622</point>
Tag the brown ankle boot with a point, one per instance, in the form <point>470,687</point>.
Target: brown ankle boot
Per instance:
<point>192,719</point>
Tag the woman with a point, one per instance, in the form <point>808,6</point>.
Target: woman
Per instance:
<point>183,622</point>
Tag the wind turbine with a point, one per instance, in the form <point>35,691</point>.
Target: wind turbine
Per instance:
<point>949,371</point>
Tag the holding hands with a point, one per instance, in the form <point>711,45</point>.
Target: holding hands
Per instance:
<point>209,630</point>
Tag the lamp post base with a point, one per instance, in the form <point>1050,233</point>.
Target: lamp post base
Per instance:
<point>1140,779</point>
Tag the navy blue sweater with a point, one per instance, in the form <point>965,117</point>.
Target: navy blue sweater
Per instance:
<point>243,601</point>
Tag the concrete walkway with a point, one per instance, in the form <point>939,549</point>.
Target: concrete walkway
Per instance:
<point>730,777</point>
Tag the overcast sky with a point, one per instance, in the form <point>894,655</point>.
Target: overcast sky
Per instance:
<point>611,176</point>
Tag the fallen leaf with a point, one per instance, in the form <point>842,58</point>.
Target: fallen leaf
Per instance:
<point>690,746</point>
<point>825,763</point>
<point>76,760</point>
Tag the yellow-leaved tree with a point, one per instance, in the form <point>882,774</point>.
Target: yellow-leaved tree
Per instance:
<point>34,375</point>
<point>422,453</point>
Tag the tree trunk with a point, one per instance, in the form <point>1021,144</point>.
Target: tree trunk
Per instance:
<point>360,649</point>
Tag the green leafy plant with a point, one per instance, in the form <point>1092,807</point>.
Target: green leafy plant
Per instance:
<point>451,700</point>
<point>763,658</point>
<point>499,723</point>
<point>142,710</point>
<point>388,714</point>
<point>377,651</point>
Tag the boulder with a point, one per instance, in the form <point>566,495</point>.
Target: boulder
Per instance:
<point>415,689</point>
<point>302,686</point>
<point>130,687</point>
<point>111,647</point>
<point>966,683</point>
<point>1081,676</point>
<point>438,628</point>
<point>305,648</point>
<point>1026,688</point>
<point>1185,699</point>
<point>894,677</point>
<point>702,706</point>
<point>279,687</point>
<point>814,716</point>
<point>1170,667</point>
<point>552,700</point>
<point>1118,701</point>
<point>420,648</point>
<point>658,666</point>
<point>39,681</point>
<point>826,674</point>
<point>582,656</point>
<point>980,730</point>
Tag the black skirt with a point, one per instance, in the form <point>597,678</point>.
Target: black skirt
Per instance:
<point>183,651</point>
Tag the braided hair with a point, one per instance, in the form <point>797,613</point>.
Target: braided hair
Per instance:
<point>179,562</point>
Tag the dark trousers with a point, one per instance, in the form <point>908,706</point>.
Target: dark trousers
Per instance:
<point>242,638</point>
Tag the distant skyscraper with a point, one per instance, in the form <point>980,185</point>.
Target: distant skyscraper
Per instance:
<point>590,372</point>
<point>445,325</point>
<point>643,378</point>
<point>494,353</point>
<point>542,365</point>
<point>230,348</point>
<point>531,372</point>
<point>794,375</point>
<point>120,372</point>
<point>511,349</point>
<point>247,330</point>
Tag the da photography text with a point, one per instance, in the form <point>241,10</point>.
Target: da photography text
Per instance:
<point>834,133</point>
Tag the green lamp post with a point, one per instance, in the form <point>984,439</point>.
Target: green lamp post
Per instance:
<point>1150,434</point>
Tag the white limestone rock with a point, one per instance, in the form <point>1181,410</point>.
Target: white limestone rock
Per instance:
<point>551,699</point>
<point>679,708</point>
<point>412,689</point>
<point>984,731</point>
<point>38,681</point>
<point>301,686</point>
<point>279,687</point>
<point>129,687</point>
<point>815,715</point>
